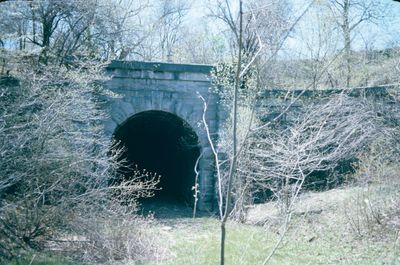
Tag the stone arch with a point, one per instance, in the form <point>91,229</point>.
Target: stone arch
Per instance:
<point>163,143</point>
<point>172,88</point>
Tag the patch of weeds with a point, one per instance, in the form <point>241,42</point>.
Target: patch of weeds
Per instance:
<point>41,259</point>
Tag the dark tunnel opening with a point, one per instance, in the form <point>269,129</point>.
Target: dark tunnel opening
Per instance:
<point>165,144</point>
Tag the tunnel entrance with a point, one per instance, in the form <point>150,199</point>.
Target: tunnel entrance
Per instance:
<point>165,144</point>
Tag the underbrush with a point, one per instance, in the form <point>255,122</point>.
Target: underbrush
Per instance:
<point>118,240</point>
<point>374,210</point>
<point>358,223</point>
<point>99,240</point>
<point>309,241</point>
<point>321,232</point>
<point>41,259</point>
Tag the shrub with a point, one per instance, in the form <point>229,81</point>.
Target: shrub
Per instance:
<point>55,160</point>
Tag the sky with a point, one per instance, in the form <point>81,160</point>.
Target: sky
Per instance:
<point>370,36</point>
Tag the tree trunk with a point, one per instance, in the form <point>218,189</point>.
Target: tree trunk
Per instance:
<point>232,167</point>
<point>347,41</point>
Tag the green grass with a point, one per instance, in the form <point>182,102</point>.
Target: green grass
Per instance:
<point>320,233</point>
<point>40,259</point>
<point>247,244</point>
<point>197,242</point>
<point>320,236</point>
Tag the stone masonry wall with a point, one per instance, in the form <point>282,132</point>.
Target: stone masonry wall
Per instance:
<point>174,88</point>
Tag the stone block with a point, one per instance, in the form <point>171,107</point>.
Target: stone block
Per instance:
<point>118,117</point>
<point>109,127</point>
<point>207,164</point>
<point>127,108</point>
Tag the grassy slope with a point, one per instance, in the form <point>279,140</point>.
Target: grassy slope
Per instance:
<point>41,259</point>
<point>320,233</point>
<point>250,245</point>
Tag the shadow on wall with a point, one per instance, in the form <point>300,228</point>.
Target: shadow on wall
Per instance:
<point>163,143</point>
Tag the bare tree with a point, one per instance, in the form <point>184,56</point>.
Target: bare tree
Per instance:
<point>55,158</point>
<point>58,31</point>
<point>320,43</point>
<point>241,67</point>
<point>119,29</point>
<point>169,26</point>
<point>318,140</point>
<point>350,15</point>
<point>267,22</point>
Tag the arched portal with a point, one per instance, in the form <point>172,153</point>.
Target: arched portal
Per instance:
<point>163,143</point>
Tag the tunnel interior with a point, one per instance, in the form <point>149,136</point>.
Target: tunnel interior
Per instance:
<point>162,143</point>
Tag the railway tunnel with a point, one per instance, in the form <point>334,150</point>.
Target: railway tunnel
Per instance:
<point>162,143</point>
